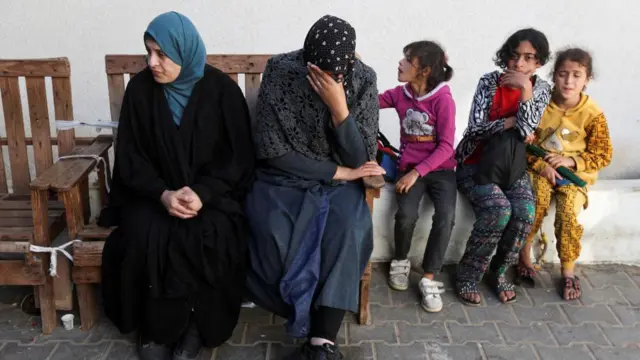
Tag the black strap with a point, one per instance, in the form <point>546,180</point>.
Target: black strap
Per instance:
<point>385,142</point>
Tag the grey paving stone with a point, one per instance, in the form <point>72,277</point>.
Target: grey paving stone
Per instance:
<point>520,352</point>
<point>631,294</point>
<point>13,351</point>
<point>504,314</point>
<point>622,336</point>
<point>616,353</point>
<point>380,295</point>
<point>408,297</point>
<point>17,326</point>
<point>627,315</point>
<point>452,312</point>
<point>351,352</point>
<point>257,333</point>
<point>238,333</point>
<point>541,297</point>
<point>528,315</point>
<point>606,296</point>
<point>105,330</point>
<point>383,332</point>
<point>74,335</point>
<point>67,351</point>
<point>526,334</point>
<point>469,351</point>
<point>255,315</point>
<point>585,333</point>
<point>415,351</point>
<point>432,333</point>
<point>229,352</point>
<point>604,278</point>
<point>408,313</point>
<point>122,351</point>
<point>576,352</point>
<point>474,333</point>
<point>598,314</point>
<point>350,318</point>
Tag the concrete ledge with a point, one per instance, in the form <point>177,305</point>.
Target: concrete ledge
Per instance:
<point>611,234</point>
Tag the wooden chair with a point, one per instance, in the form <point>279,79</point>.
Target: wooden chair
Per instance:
<point>88,254</point>
<point>27,214</point>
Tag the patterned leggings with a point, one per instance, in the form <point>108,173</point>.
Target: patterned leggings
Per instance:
<point>503,222</point>
<point>570,200</point>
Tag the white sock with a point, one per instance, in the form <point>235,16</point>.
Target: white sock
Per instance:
<point>320,341</point>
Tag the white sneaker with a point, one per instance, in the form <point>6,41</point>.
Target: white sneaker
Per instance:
<point>399,274</point>
<point>431,290</point>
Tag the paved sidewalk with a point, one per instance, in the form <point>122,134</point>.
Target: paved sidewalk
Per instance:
<point>604,325</point>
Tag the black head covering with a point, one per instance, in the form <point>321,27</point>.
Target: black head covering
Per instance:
<point>331,45</point>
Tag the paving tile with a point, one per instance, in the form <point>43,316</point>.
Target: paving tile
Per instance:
<point>255,315</point>
<point>415,351</point>
<point>105,330</point>
<point>355,352</point>
<point>541,297</point>
<point>408,313</point>
<point>453,312</point>
<point>408,297</point>
<point>432,333</point>
<point>616,353</point>
<point>256,333</point>
<point>631,294</point>
<point>383,332</point>
<point>74,335</point>
<point>576,352</point>
<point>469,351</point>
<point>479,315</point>
<point>598,314</point>
<point>606,278</point>
<point>627,315</point>
<point>520,352</point>
<point>607,296</point>
<point>17,326</point>
<point>526,334</point>
<point>585,333</point>
<point>380,295</point>
<point>238,333</point>
<point>122,351</point>
<point>474,333</point>
<point>66,351</point>
<point>13,351</point>
<point>528,315</point>
<point>622,336</point>
<point>228,352</point>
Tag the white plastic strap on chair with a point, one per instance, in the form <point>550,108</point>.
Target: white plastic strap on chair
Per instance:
<point>53,262</point>
<point>97,158</point>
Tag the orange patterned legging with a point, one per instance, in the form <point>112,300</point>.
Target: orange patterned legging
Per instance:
<point>570,200</point>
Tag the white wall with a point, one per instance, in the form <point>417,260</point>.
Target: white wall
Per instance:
<point>470,30</point>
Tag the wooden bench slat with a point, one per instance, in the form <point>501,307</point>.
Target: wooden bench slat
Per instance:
<point>80,167</point>
<point>3,174</point>
<point>40,126</point>
<point>63,111</point>
<point>94,232</point>
<point>16,272</point>
<point>9,204</point>
<point>14,123</point>
<point>15,247</point>
<point>88,253</point>
<point>86,275</point>
<point>55,67</point>
<point>238,64</point>
<point>234,77</point>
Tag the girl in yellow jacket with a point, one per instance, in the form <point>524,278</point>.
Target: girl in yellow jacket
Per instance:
<point>574,133</point>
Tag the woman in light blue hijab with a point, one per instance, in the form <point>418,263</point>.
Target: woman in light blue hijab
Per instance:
<point>174,269</point>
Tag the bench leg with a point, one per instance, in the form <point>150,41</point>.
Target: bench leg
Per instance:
<point>47,306</point>
<point>363,311</point>
<point>88,305</point>
<point>62,286</point>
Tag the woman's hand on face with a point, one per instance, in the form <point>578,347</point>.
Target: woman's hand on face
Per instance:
<point>370,168</point>
<point>514,79</point>
<point>407,181</point>
<point>175,207</point>
<point>330,91</point>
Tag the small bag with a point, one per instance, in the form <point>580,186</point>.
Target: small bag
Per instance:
<point>387,157</point>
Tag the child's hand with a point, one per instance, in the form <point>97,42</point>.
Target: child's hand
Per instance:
<point>557,160</point>
<point>330,91</point>
<point>550,174</point>
<point>515,79</point>
<point>530,139</point>
<point>407,181</point>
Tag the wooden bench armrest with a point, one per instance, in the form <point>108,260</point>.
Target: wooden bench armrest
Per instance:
<point>67,173</point>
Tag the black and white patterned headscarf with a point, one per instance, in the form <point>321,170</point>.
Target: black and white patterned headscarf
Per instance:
<point>331,45</point>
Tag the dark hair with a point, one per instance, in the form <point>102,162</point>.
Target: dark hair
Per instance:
<point>430,55</point>
<point>581,56</point>
<point>537,39</point>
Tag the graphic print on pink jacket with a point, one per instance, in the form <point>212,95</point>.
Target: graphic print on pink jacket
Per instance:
<point>427,127</point>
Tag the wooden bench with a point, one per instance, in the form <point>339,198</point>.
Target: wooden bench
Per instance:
<point>29,215</point>
<point>88,254</point>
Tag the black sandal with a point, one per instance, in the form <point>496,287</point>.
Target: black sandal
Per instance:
<point>571,283</point>
<point>504,285</point>
<point>468,288</point>
<point>525,276</point>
